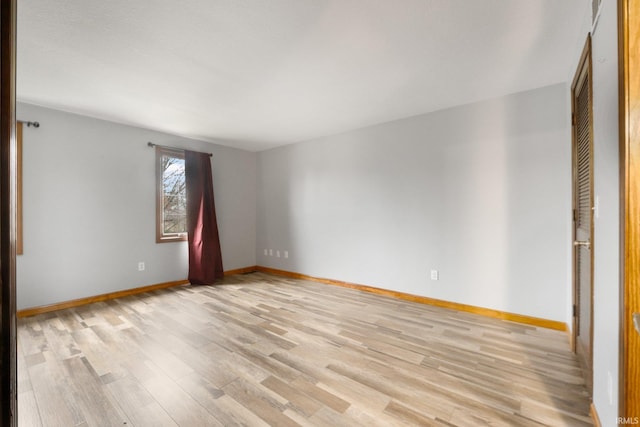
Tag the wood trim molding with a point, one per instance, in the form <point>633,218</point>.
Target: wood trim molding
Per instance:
<point>97,298</point>
<point>244,270</point>
<point>629,127</point>
<point>594,416</point>
<point>496,314</point>
<point>8,187</point>
<point>118,294</point>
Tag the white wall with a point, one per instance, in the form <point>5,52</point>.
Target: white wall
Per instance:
<point>89,208</point>
<point>481,193</point>
<point>606,223</point>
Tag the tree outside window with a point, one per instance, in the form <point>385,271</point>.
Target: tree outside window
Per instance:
<point>171,203</point>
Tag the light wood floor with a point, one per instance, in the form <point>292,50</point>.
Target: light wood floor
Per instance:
<point>264,350</point>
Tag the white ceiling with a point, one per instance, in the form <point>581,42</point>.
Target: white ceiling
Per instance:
<point>256,74</point>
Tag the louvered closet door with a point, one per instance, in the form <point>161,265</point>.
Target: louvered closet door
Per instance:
<point>583,221</point>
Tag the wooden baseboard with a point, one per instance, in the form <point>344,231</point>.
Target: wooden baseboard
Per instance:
<point>244,270</point>
<point>534,321</point>
<point>519,318</point>
<point>97,298</point>
<point>118,294</point>
<point>594,415</point>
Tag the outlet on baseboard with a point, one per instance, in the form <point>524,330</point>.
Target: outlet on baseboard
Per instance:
<point>141,266</point>
<point>435,275</point>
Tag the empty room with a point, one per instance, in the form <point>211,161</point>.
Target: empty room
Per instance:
<point>323,213</point>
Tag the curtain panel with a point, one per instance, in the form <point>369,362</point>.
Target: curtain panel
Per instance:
<point>205,255</point>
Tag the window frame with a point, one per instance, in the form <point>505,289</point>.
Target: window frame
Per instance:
<point>161,236</point>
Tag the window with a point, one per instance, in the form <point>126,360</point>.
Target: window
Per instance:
<point>171,199</point>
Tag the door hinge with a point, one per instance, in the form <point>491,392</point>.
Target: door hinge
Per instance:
<point>575,215</point>
<point>573,119</point>
<point>574,310</point>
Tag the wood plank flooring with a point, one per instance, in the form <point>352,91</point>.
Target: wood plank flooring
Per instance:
<point>264,350</point>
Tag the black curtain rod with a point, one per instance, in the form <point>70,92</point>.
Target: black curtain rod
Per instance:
<point>29,124</point>
<point>151,144</point>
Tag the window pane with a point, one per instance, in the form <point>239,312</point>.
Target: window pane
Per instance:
<point>174,195</point>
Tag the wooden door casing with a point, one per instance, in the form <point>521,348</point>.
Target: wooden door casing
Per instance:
<point>629,111</point>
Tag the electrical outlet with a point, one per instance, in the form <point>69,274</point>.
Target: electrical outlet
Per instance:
<point>286,254</point>
<point>435,275</point>
<point>266,252</point>
<point>141,266</point>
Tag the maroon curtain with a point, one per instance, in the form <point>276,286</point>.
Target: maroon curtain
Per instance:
<point>205,256</point>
